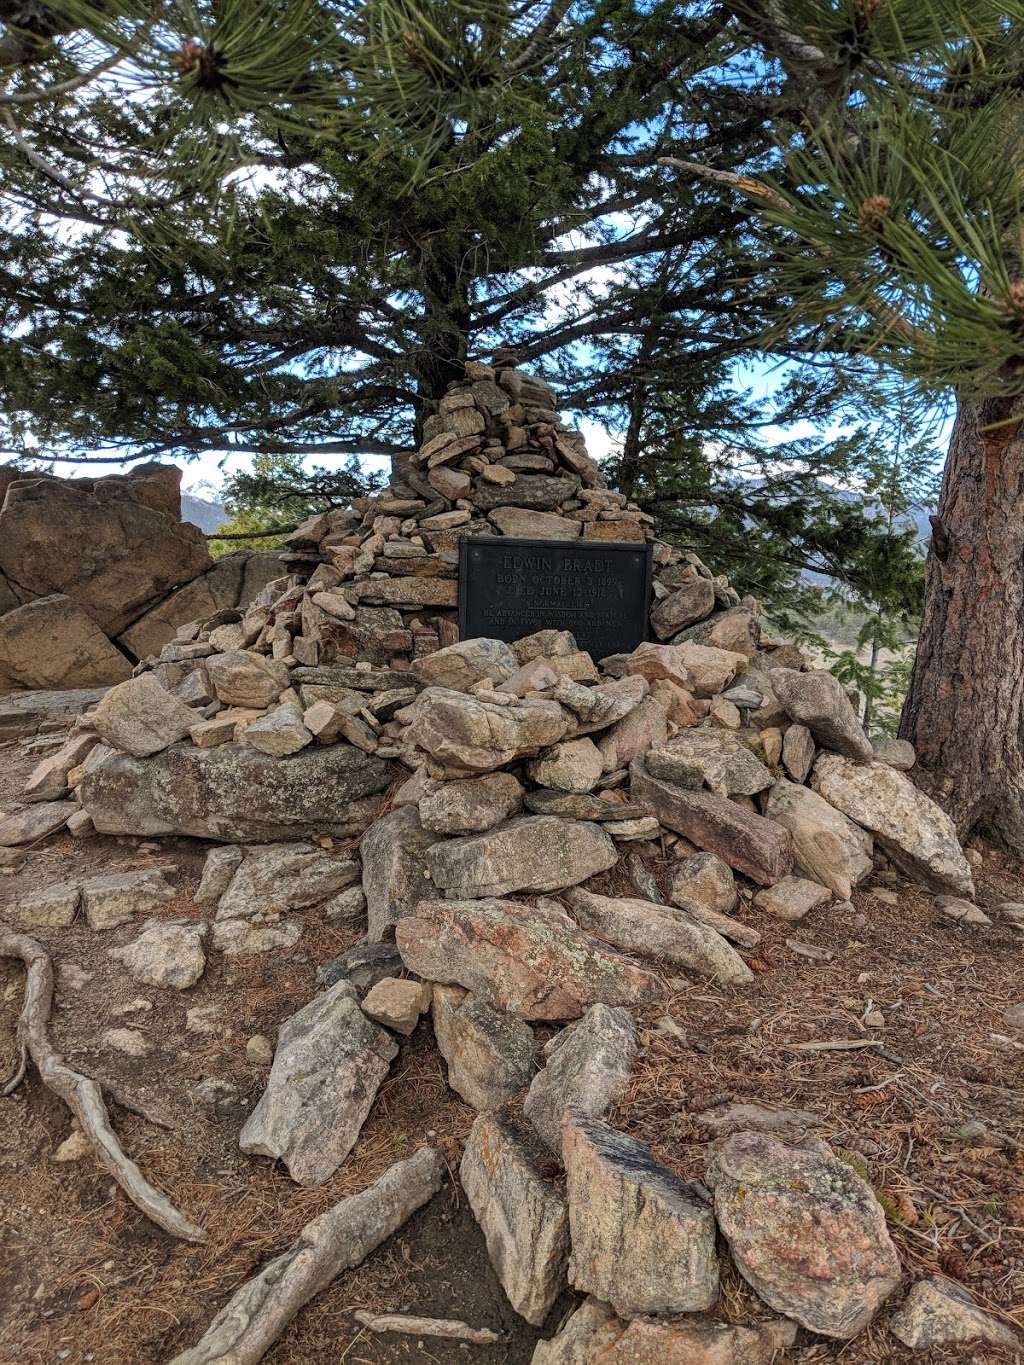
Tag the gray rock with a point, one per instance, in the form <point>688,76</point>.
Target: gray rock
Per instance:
<point>242,679</point>
<point>790,1124</point>
<point>522,1215</point>
<point>364,965</point>
<point>280,732</point>
<point>119,896</point>
<point>827,847</point>
<point>130,1041</point>
<point>533,961</point>
<point>759,848</point>
<point>167,953</point>
<point>659,931</point>
<point>587,1333</point>
<point>459,666</point>
<point>703,881</point>
<point>594,1334</point>
<point>471,805</point>
<point>709,758</point>
<point>597,708</point>
<point>52,643</point>
<point>532,853</point>
<point>684,607</point>
<point>805,1231</point>
<point>329,1064</point>
<point>234,793</point>
<point>587,1067</point>
<point>220,866</point>
<point>535,492</point>
<point>792,898</point>
<point>574,765</point>
<point>48,781</point>
<point>464,735</point>
<point>247,938</point>
<point>817,700</point>
<point>280,877</point>
<point>644,728</point>
<point>140,717</point>
<point>640,1240</point>
<point>347,907</point>
<point>395,853</point>
<point>798,750</point>
<point>49,907</point>
<point>489,1053</point>
<point>918,836</point>
<point>938,1312</point>
<point>34,822</point>
<point>897,753</point>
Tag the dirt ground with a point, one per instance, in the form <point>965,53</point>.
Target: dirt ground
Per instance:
<point>84,1277</point>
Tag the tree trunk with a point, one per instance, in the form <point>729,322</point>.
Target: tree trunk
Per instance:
<point>964,713</point>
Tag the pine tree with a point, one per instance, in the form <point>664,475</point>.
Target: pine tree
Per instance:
<point>897,227</point>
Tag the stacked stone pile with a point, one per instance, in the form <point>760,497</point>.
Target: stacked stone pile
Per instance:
<point>96,574</point>
<point>519,777</point>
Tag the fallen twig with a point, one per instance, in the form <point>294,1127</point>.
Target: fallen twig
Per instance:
<point>412,1326</point>
<point>81,1094</point>
<point>253,1319</point>
<point>839,1045</point>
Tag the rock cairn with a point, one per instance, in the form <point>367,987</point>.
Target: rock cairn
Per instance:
<point>518,775</point>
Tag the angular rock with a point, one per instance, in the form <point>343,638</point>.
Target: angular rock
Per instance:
<point>465,734</point>
<point>280,732</point>
<point>471,805</point>
<point>574,765</point>
<point>530,853</point>
<point>798,750</point>
<point>817,700</point>
<point>53,643</point>
<point>918,836</point>
<point>459,666</point>
<point>805,1231</point>
<point>644,728</point>
<point>684,607</point>
<point>242,679</point>
<point>397,1003</point>
<point>658,931</point>
<point>704,882</point>
<point>364,965</point>
<point>522,1216</point>
<point>587,1067</point>
<point>395,852</point>
<point>347,907</point>
<point>535,492</point>
<point>701,670</point>
<point>897,753</point>
<point>235,793</point>
<point>827,847</point>
<point>167,953</point>
<point>737,629</point>
<point>220,866</point>
<point>281,877</point>
<point>596,708</point>
<point>581,806</point>
<point>48,780</point>
<point>792,898</point>
<point>140,717</point>
<point>757,847</point>
<point>584,1338</point>
<point>137,552</point>
<point>640,1240</point>
<point>489,1053</point>
<point>34,822</point>
<point>938,1312</point>
<point>595,1335</point>
<point>329,1064</point>
<point>49,907</point>
<point>532,961</point>
<point>118,897</point>
<point>709,758</point>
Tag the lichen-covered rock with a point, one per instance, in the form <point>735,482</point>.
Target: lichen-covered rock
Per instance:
<point>464,734</point>
<point>640,1240</point>
<point>938,1312</point>
<point>489,1052</point>
<point>587,1066</point>
<point>458,667</point>
<point>235,793</point>
<point>279,877</point>
<point>817,700</point>
<point>792,898</point>
<point>47,907</point>
<point>593,1335</point>
<point>533,961</point>
<point>140,717</point>
<point>918,835</point>
<point>279,733</point>
<point>34,822</point>
<point>522,1216</point>
<point>758,847</point>
<point>53,643</point>
<point>699,758</point>
<point>471,804</point>
<point>827,847</point>
<point>798,750</point>
<point>167,953</point>
<point>658,931</point>
<point>531,853</point>
<point>395,853</point>
<point>804,1230</point>
<point>703,881</point>
<point>240,678</point>
<point>574,765</point>
<point>644,728</point>
<point>117,897</point>
<point>700,669</point>
<point>329,1064</point>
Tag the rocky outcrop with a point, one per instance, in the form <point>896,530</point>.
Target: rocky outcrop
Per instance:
<point>52,642</point>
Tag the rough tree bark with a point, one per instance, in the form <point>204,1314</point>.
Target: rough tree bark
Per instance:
<point>964,713</point>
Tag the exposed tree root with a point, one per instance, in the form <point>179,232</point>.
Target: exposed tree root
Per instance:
<point>82,1096</point>
<point>253,1319</point>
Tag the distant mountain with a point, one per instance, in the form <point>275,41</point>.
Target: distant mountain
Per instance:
<point>205,513</point>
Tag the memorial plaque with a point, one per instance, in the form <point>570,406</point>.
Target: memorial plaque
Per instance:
<point>600,591</point>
